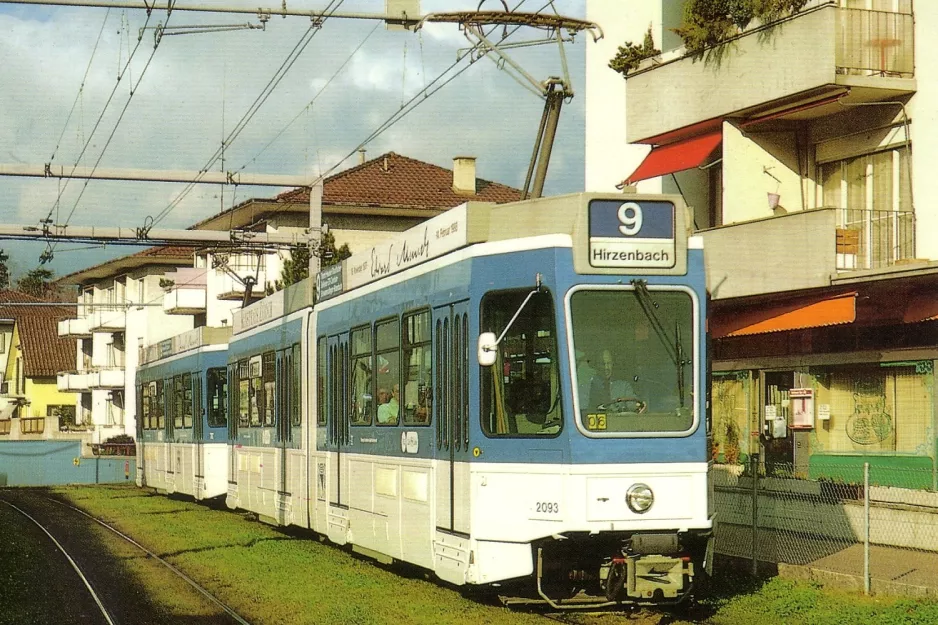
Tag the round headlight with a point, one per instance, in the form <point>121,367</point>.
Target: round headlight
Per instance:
<point>639,498</point>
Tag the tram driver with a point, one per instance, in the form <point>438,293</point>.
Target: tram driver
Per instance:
<point>607,388</point>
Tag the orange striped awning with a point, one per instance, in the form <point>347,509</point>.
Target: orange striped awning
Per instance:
<point>921,307</point>
<point>791,315</point>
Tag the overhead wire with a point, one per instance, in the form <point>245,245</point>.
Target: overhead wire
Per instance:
<point>308,106</point>
<point>110,138</point>
<point>259,101</point>
<point>97,123</point>
<point>416,100</point>
<point>81,87</point>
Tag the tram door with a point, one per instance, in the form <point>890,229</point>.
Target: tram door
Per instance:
<point>451,401</point>
<point>337,409</point>
<point>286,399</point>
<point>198,428</point>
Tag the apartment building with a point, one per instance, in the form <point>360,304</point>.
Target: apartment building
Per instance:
<point>131,303</point>
<point>803,147</point>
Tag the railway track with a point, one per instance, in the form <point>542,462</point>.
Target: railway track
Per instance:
<point>120,579</point>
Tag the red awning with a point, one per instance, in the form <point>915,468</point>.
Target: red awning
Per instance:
<point>792,315</point>
<point>674,157</point>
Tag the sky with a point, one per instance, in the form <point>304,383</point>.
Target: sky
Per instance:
<point>175,104</point>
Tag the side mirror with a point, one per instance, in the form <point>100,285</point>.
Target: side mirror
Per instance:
<point>488,349</point>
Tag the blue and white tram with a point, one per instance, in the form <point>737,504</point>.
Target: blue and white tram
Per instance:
<point>267,460</point>
<point>502,394</point>
<point>182,424</point>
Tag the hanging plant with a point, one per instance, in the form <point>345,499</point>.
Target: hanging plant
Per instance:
<point>707,24</point>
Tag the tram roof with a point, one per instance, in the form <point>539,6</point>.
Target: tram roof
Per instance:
<point>187,341</point>
<point>480,222</point>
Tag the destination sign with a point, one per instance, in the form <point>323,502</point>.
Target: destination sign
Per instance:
<point>637,234</point>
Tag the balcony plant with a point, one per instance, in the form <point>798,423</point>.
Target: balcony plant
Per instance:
<point>630,55</point>
<point>708,24</point>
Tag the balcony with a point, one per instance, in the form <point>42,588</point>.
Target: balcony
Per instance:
<point>230,288</point>
<point>107,320</point>
<point>72,381</point>
<point>74,328</point>
<point>796,68</point>
<point>112,379</point>
<point>804,250</point>
<point>184,301</point>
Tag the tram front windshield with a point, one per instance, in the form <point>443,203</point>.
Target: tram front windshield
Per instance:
<point>634,369</point>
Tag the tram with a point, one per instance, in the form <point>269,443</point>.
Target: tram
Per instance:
<point>182,408</point>
<point>504,395</point>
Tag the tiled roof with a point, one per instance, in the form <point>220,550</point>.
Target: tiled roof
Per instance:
<point>392,180</point>
<point>159,255</point>
<point>44,353</point>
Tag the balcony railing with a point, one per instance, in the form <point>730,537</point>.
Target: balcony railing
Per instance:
<point>231,288</point>
<point>72,381</point>
<point>874,239</point>
<point>819,53</point>
<point>801,250</point>
<point>875,43</point>
<point>106,379</point>
<point>108,320</point>
<point>184,301</point>
<point>74,328</point>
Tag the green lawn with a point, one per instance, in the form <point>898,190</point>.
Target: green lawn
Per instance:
<point>270,576</point>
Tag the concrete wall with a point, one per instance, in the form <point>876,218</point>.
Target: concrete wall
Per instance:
<point>753,71</point>
<point>797,251</point>
<point>51,463</point>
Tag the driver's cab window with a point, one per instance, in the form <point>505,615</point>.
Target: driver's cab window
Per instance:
<point>521,391</point>
<point>634,359</point>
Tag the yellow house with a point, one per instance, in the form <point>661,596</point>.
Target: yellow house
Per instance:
<point>31,405</point>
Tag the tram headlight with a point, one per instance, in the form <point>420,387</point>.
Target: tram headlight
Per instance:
<point>639,498</point>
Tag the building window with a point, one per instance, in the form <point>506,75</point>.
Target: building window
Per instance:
<point>874,194</point>
<point>875,409</point>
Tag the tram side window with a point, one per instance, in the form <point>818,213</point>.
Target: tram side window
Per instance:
<point>153,394</point>
<point>217,397</point>
<point>295,384</point>
<point>244,393</point>
<point>362,368</point>
<point>521,391</point>
<point>321,381</point>
<point>256,391</point>
<point>182,401</point>
<point>418,366</point>
<point>388,378</point>
<point>267,390</point>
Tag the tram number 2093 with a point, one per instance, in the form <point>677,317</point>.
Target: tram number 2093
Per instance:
<point>547,507</point>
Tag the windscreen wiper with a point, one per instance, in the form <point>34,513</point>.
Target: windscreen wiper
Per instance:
<point>675,350</point>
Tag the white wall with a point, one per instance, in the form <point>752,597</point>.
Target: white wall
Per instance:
<point>609,160</point>
<point>923,109</point>
<point>746,159</point>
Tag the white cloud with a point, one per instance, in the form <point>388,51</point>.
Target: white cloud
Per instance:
<point>198,87</point>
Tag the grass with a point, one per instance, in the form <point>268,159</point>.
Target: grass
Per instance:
<point>271,576</point>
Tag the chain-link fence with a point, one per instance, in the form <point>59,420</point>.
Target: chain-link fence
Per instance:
<point>876,525</point>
